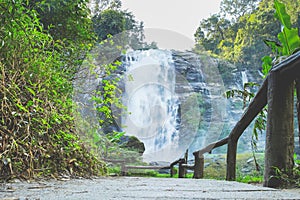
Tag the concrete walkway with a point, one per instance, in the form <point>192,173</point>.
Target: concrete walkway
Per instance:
<point>139,188</point>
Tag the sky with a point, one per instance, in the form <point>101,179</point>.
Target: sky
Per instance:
<point>180,16</point>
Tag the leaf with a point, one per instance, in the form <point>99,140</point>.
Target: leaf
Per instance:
<point>282,15</point>
<point>267,64</point>
<point>290,40</point>
<point>276,48</point>
<point>21,107</point>
<point>31,91</point>
<point>293,39</point>
<point>29,103</point>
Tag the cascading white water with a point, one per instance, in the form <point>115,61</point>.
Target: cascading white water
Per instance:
<point>244,78</point>
<point>152,103</point>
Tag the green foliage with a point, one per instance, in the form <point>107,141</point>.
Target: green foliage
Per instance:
<point>267,65</point>
<point>69,24</point>
<point>246,94</point>
<point>282,15</point>
<point>36,118</point>
<point>288,180</point>
<point>211,32</point>
<point>108,22</point>
<point>288,37</point>
<point>121,25</point>
<point>250,179</point>
<point>260,121</point>
<point>238,8</point>
<point>101,5</point>
<point>248,23</point>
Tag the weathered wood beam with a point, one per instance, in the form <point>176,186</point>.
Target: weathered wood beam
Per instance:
<point>199,159</point>
<point>181,169</point>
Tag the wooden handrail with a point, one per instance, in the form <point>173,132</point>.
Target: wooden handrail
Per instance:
<point>211,146</point>
<point>126,167</point>
<point>146,167</point>
<point>288,65</point>
<point>288,68</point>
<point>255,107</point>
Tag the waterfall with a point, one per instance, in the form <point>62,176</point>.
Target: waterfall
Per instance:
<point>152,102</point>
<point>244,78</point>
<point>174,100</point>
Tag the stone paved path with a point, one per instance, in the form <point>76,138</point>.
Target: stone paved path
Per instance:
<point>139,188</point>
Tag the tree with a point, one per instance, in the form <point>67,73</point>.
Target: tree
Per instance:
<point>235,9</point>
<point>97,6</point>
<point>114,21</point>
<point>211,32</point>
<point>239,41</point>
<point>69,23</point>
<point>254,28</point>
<point>108,22</point>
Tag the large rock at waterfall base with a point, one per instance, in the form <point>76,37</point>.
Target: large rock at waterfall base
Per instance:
<point>133,143</point>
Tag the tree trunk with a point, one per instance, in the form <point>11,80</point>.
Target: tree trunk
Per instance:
<point>280,129</point>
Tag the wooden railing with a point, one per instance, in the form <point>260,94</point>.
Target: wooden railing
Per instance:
<point>276,91</point>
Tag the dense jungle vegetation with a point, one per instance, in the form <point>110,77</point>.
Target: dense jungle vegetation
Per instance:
<point>42,46</point>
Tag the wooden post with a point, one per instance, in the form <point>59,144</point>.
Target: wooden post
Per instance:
<point>171,171</point>
<point>181,172</point>
<point>231,159</point>
<point>186,157</point>
<point>199,165</point>
<point>280,129</point>
<point>123,169</point>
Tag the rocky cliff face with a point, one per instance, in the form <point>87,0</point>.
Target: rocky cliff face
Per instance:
<point>205,82</point>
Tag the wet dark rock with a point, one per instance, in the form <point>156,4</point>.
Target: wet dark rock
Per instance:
<point>133,143</point>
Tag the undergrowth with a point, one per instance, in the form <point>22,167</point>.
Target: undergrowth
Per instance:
<point>37,134</point>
